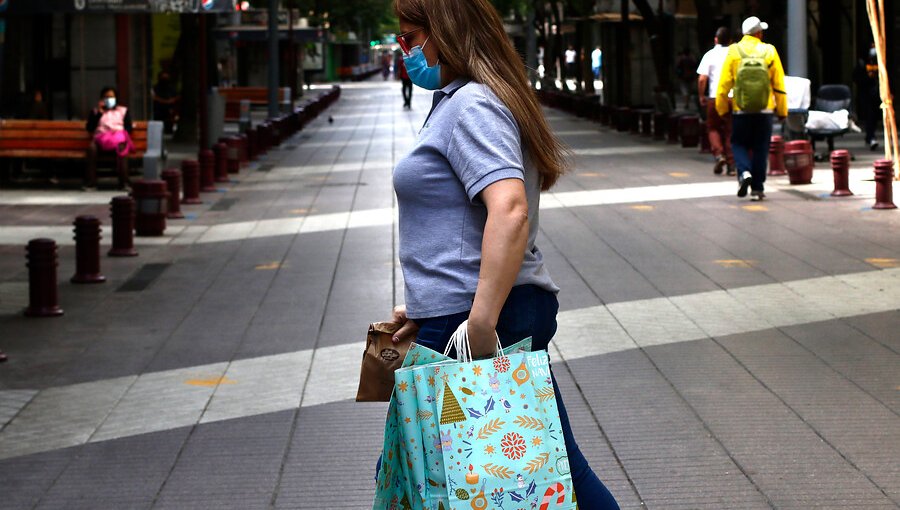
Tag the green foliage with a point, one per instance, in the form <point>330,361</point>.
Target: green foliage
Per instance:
<point>360,16</point>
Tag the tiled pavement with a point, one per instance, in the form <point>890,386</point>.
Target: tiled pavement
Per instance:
<point>713,353</point>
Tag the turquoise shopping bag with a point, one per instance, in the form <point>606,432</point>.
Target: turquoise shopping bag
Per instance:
<point>502,442</point>
<point>400,483</point>
<point>413,474</point>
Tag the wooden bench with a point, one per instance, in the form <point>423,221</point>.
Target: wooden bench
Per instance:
<point>257,96</point>
<point>65,139</point>
<point>56,139</point>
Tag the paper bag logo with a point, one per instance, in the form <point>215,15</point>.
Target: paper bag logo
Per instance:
<point>389,355</point>
<point>208,4</point>
<point>80,4</point>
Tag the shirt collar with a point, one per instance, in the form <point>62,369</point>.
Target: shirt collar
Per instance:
<point>447,91</point>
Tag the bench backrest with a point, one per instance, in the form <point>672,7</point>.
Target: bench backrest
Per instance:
<point>56,138</point>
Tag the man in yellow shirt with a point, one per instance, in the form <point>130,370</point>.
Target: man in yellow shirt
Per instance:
<point>752,68</point>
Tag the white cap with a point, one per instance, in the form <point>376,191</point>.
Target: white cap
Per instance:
<point>753,25</point>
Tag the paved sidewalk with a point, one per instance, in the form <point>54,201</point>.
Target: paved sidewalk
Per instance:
<point>713,352</point>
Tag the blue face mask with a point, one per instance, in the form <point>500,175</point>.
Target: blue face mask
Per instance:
<point>429,78</point>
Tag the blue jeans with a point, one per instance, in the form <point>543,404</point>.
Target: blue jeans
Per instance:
<point>750,136</point>
<point>529,311</point>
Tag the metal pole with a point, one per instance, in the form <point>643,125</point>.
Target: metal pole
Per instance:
<point>273,59</point>
<point>796,33</point>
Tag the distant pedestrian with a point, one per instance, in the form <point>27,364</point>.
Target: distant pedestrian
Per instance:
<point>596,62</point>
<point>718,126</point>
<point>110,125</point>
<point>406,84</point>
<point>753,69</point>
<point>685,67</point>
<point>165,98</point>
<point>867,87</point>
<point>385,65</point>
<point>468,195</point>
<point>571,63</point>
<point>36,108</point>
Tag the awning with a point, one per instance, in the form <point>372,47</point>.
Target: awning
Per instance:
<point>116,6</point>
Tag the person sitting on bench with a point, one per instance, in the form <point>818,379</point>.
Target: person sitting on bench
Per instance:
<point>110,125</point>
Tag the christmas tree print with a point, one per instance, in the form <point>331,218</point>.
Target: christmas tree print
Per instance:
<point>451,412</point>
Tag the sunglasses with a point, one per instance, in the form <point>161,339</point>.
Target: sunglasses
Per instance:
<point>405,45</point>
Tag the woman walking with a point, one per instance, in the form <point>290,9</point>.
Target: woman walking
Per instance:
<point>468,195</point>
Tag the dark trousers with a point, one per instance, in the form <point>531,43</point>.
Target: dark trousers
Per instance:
<point>90,168</point>
<point>750,136</point>
<point>407,91</point>
<point>530,311</point>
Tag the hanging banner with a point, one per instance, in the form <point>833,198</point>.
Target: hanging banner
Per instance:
<point>117,6</point>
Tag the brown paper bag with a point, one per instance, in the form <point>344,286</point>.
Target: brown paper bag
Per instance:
<point>381,357</point>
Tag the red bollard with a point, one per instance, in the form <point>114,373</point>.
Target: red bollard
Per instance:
<point>172,176</point>
<point>43,297</point>
<point>672,135</point>
<point>190,176</point>
<point>689,130</point>
<point>122,212</point>
<point>220,150</point>
<point>87,250</point>
<point>776,156</point>
<point>840,164</point>
<point>150,199</point>
<point>647,123</point>
<point>884,182</point>
<point>705,147</point>
<point>660,121</point>
<point>798,161</point>
<point>242,148</point>
<point>252,143</point>
<point>234,155</point>
<point>623,119</point>
<point>207,170</point>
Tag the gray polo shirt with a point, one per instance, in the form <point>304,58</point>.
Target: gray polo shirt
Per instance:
<point>470,140</point>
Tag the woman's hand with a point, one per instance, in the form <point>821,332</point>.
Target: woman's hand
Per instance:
<point>408,328</point>
<point>482,338</point>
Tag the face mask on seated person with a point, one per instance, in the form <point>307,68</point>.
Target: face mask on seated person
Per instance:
<point>429,78</point>
<point>109,103</point>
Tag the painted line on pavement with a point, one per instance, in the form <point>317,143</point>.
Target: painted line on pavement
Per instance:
<point>126,406</point>
<point>237,231</point>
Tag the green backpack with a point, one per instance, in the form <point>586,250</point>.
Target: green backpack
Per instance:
<point>752,87</point>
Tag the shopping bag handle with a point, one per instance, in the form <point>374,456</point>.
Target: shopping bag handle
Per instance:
<point>460,340</point>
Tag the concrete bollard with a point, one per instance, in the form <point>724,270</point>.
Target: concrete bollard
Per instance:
<point>43,296</point>
<point>150,199</point>
<point>172,176</point>
<point>190,177</point>
<point>776,156</point>
<point>220,150</point>
<point>87,250</point>
<point>884,182</point>
<point>122,212</point>
<point>840,165</point>
<point>207,170</point>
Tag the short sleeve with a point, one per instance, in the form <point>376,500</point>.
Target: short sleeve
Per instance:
<point>703,68</point>
<point>485,147</point>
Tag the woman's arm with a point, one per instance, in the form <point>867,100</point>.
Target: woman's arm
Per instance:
<point>502,253</point>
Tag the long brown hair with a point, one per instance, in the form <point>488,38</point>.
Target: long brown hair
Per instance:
<point>471,42</point>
